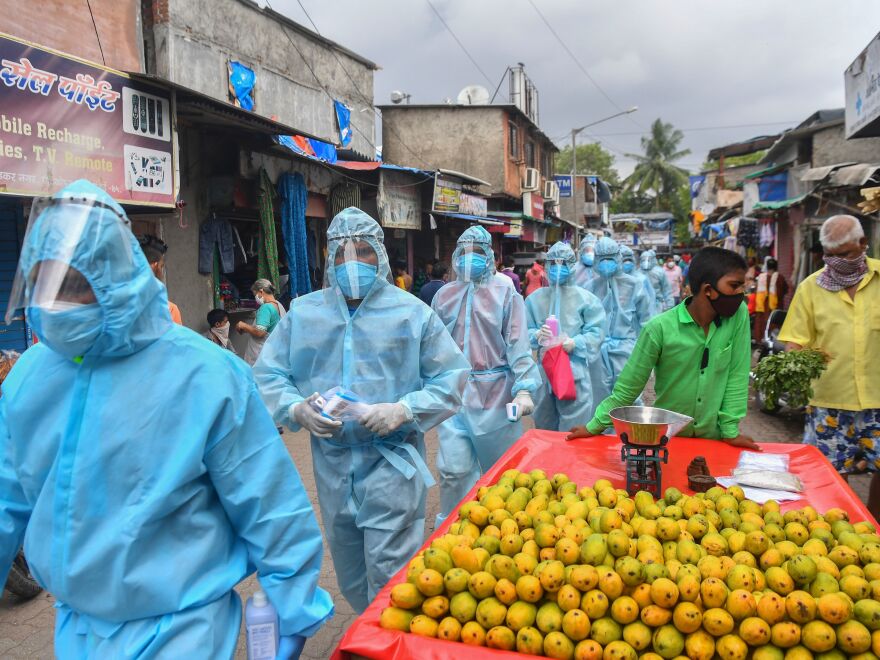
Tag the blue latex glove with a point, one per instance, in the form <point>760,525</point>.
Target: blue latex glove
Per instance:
<point>290,647</point>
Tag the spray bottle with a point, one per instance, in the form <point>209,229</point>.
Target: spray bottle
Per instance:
<point>261,622</point>
<point>553,323</point>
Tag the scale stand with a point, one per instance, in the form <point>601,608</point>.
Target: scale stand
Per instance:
<point>643,465</point>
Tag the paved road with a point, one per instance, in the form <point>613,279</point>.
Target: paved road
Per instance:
<point>26,629</point>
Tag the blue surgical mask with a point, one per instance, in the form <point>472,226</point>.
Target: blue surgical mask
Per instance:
<point>70,332</point>
<point>558,273</point>
<point>355,278</point>
<point>607,267</point>
<point>472,266</point>
<point>587,258</point>
<point>628,266</point>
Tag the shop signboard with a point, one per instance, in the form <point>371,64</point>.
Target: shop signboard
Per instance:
<point>447,194</point>
<point>473,205</point>
<point>861,82</point>
<point>515,230</point>
<point>564,183</point>
<point>654,238</point>
<point>399,201</point>
<point>533,205</point>
<point>624,238</point>
<point>63,119</point>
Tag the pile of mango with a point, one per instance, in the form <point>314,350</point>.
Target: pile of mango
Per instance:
<point>539,566</point>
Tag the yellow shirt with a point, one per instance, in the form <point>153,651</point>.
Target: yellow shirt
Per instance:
<point>849,331</point>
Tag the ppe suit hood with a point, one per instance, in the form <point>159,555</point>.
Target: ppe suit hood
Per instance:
<point>133,302</point>
<point>588,240</point>
<point>352,224</point>
<point>607,247</point>
<point>648,259</point>
<point>562,252</point>
<point>626,252</point>
<point>476,237</point>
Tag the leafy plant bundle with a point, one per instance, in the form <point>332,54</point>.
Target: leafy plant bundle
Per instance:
<point>790,374</point>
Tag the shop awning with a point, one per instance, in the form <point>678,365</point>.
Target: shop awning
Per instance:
<point>781,204</point>
<point>767,170</point>
<point>473,218</point>
<point>820,173</point>
<point>854,175</point>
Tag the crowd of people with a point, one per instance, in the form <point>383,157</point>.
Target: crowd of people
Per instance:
<point>141,528</point>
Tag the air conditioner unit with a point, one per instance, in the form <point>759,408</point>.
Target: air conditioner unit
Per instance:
<point>551,191</point>
<point>530,180</point>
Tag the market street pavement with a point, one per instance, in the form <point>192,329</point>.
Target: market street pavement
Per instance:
<point>26,629</point>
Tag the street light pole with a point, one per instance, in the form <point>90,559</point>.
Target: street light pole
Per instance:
<point>574,132</point>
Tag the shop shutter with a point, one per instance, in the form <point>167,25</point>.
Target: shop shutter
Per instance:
<point>12,337</point>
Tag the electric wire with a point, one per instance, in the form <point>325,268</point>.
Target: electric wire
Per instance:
<point>97,36</point>
<point>458,41</point>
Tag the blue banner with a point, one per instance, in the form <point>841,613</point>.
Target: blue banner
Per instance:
<point>343,117</point>
<point>696,183</point>
<point>773,188</point>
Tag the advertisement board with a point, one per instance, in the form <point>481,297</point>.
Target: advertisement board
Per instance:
<point>861,83</point>
<point>447,194</point>
<point>63,119</point>
<point>533,205</point>
<point>473,205</point>
<point>654,238</point>
<point>399,201</point>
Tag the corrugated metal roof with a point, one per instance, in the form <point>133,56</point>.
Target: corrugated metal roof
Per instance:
<point>854,175</point>
<point>781,204</point>
<point>821,173</point>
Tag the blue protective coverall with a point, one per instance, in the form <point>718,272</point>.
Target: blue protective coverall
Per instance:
<point>487,319</point>
<point>628,308</point>
<point>582,318</point>
<point>147,478</point>
<point>390,348</point>
<point>583,271</point>
<point>662,291</point>
<point>627,255</point>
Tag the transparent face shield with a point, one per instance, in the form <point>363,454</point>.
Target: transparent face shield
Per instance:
<point>355,268</point>
<point>471,262</point>
<point>65,238</point>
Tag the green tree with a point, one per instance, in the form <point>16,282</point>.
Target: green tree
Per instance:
<point>591,159</point>
<point>630,201</point>
<point>656,172</point>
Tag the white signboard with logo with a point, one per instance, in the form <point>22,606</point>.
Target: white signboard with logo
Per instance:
<point>862,89</point>
<point>399,201</point>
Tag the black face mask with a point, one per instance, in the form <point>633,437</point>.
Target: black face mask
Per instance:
<point>726,304</point>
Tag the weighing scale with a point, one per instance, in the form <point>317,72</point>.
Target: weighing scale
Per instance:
<point>643,434</point>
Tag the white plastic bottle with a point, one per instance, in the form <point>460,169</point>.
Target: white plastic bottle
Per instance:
<point>261,623</point>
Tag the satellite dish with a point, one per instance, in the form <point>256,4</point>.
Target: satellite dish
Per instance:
<point>397,97</point>
<point>473,95</point>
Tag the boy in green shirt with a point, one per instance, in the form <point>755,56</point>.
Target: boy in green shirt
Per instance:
<point>700,352</point>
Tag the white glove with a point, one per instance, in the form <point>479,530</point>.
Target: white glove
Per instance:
<point>568,345</point>
<point>385,418</point>
<point>524,403</point>
<point>310,419</point>
<point>544,334</point>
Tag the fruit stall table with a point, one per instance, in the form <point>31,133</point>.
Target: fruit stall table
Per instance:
<point>585,461</point>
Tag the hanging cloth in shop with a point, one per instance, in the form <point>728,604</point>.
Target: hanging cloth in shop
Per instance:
<point>216,232</point>
<point>747,234</point>
<point>294,198</point>
<point>267,250</point>
<point>343,196</point>
<point>766,233</point>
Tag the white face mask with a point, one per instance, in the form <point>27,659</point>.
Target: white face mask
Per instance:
<point>222,333</point>
<point>259,299</point>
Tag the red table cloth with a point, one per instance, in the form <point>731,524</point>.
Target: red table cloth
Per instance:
<point>585,461</point>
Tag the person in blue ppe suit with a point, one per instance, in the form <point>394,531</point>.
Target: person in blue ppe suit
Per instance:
<point>629,265</point>
<point>487,319</point>
<point>627,309</point>
<point>583,272</point>
<point>662,292</point>
<point>139,465</point>
<point>581,326</point>
<point>392,351</point>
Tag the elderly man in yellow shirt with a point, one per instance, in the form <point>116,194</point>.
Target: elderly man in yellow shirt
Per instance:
<point>837,310</point>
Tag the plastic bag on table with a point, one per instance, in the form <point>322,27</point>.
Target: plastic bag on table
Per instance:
<point>768,479</point>
<point>340,404</point>
<point>752,460</point>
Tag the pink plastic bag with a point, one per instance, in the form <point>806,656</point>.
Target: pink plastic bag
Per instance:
<point>557,366</point>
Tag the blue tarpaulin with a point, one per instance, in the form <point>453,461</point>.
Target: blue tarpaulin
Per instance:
<point>308,147</point>
<point>343,116</point>
<point>773,188</point>
<point>294,197</point>
<point>241,80</point>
